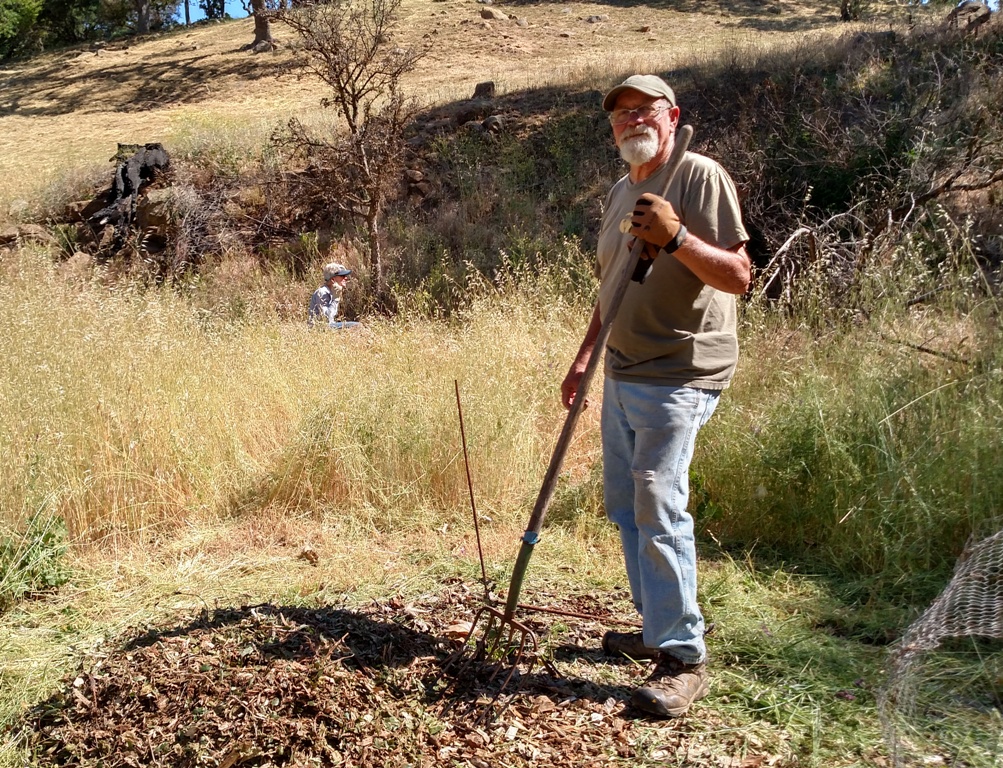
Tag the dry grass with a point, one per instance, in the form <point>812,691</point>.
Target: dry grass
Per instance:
<point>137,416</point>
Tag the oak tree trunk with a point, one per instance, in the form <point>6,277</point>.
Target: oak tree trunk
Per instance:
<point>262,26</point>
<point>142,17</point>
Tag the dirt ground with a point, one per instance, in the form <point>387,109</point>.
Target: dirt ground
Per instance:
<point>69,109</point>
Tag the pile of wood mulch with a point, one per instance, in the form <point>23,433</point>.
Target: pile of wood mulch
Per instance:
<point>368,686</point>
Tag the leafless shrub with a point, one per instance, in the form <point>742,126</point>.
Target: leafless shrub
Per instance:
<point>192,216</point>
<point>355,167</point>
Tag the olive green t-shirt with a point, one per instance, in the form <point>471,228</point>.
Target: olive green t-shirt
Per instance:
<point>673,328</point>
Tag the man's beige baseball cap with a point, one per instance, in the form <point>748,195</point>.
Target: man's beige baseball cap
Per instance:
<point>649,85</point>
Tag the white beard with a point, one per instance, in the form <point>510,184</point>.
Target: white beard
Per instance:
<point>639,148</point>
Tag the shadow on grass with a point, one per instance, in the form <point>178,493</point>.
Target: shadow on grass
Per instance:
<point>127,83</point>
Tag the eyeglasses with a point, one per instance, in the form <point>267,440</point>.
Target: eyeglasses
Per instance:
<point>623,116</point>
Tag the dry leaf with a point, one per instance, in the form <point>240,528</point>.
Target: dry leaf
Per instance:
<point>309,554</point>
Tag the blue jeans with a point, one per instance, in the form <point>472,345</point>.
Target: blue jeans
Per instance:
<point>648,434</point>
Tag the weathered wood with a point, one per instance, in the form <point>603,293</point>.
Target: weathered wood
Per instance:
<point>134,171</point>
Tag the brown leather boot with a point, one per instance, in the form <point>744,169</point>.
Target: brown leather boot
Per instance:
<point>629,644</point>
<point>672,687</point>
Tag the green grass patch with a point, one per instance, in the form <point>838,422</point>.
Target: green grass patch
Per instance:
<point>32,560</point>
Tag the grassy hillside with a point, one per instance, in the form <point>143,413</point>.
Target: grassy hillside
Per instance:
<point>65,111</point>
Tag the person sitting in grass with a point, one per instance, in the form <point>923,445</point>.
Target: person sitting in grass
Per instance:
<point>325,300</point>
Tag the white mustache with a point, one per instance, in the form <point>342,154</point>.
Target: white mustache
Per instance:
<point>640,130</point>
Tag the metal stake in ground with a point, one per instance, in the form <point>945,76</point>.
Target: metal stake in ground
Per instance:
<point>470,488</point>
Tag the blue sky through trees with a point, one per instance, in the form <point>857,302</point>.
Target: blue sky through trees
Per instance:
<point>235,8</point>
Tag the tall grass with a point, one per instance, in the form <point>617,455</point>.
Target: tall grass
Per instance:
<point>871,458</point>
<point>864,436</point>
<point>44,193</point>
<point>128,410</point>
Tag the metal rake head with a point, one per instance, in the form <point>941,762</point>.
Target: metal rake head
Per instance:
<point>496,647</point>
<point>498,641</point>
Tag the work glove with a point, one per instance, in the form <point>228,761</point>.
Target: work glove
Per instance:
<point>655,222</point>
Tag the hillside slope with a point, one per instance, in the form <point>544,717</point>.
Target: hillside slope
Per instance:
<point>67,109</point>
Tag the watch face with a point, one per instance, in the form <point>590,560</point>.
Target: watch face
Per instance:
<point>625,224</point>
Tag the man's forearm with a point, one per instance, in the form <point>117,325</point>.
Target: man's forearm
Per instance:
<point>727,270</point>
<point>569,387</point>
<point>589,342</point>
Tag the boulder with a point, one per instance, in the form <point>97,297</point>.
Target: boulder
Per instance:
<point>35,233</point>
<point>493,124</point>
<point>26,233</point>
<point>438,126</point>
<point>77,267</point>
<point>485,90</point>
<point>81,210</point>
<point>473,110</point>
<point>493,14</point>
<point>153,211</point>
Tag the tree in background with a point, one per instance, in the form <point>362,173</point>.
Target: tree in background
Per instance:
<point>31,26</point>
<point>262,10</point>
<point>64,22</point>
<point>213,9</point>
<point>850,10</point>
<point>349,46</point>
<point>118,18</point>
<point>17,19</point>
<point>142,16</point>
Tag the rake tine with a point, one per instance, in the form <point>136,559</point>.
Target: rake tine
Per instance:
<point>462,658</point>
<point>527,653</point>
<point>499,641</point>
<point>459,664</point>
<point>516,651</point>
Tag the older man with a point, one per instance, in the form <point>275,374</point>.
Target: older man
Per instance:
<point>672,349</point>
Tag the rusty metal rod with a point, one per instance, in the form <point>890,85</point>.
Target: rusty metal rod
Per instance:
<point>572,614</point>
<point>470,487</point>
